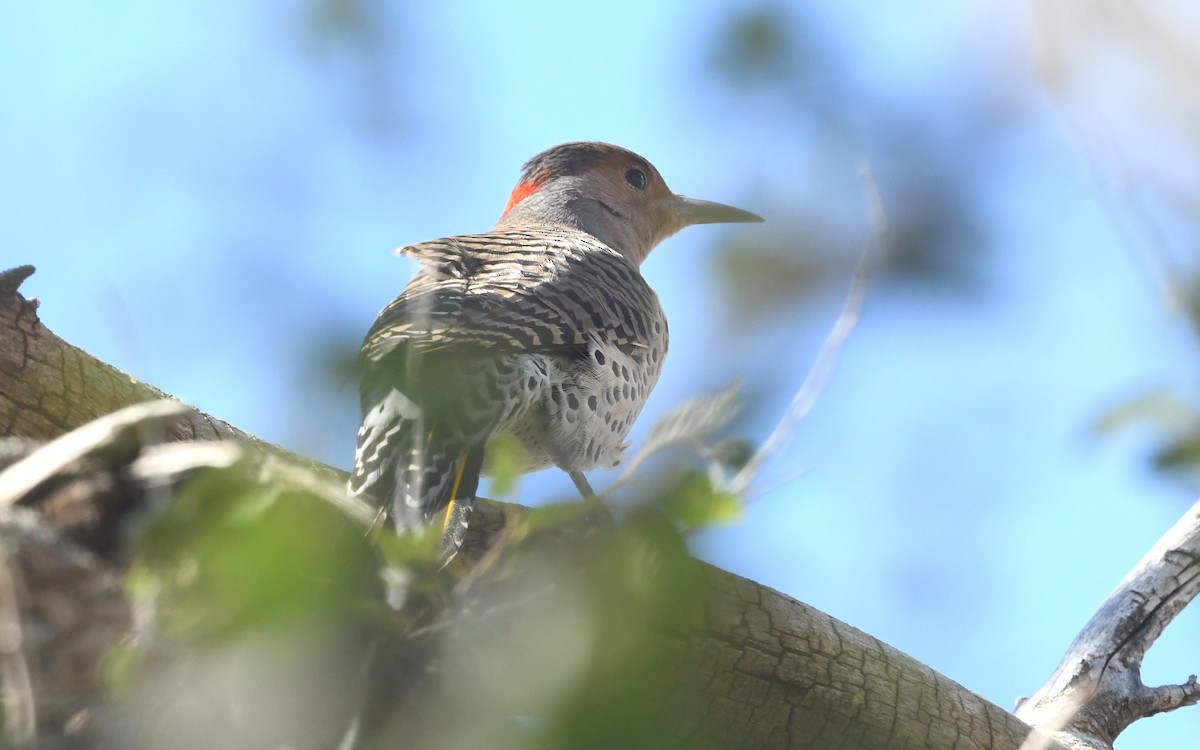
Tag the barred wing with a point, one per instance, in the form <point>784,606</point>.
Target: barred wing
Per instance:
<point>540,290</point>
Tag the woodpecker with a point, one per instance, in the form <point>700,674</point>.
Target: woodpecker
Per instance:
<point>542,327</point>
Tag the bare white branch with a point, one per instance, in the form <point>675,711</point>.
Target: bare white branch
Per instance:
<point>1097,690</point>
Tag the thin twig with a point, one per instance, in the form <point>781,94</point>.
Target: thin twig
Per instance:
<point>818,375</point>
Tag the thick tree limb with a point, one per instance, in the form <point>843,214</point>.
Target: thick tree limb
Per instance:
<point>49,387</point>
<point>777,674</point>
<point>772,672</point>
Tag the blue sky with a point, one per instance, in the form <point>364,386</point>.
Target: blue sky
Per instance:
<point>211,193</point>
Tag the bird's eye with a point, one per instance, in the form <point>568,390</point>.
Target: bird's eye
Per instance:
<point>636,177</point>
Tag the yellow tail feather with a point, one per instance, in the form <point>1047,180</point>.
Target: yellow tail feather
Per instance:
<point>458,475</point>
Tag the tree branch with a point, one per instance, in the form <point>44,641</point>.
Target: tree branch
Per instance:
<point>774,672</point>
<point>49,387</point>
<point>1097,690</point>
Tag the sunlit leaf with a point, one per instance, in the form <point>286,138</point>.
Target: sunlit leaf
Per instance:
<point>231,552</point>
<point>694,502</point>
<point>555,515</point>
<point>506,461</point>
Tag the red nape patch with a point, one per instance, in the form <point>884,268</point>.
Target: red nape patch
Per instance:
<point>525,189</point>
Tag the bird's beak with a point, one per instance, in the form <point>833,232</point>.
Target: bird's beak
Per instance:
<point>688,211</point>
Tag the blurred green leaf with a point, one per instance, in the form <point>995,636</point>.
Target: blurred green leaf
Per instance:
<point>638,585</point>
<point>411,549</point>
<point>231,552</point>
<point>771,273</point>
<point>1179,455</point>
<point>693,502</point>
<point>557,645</point>
<point>1170,416</point>
<point>561,645</point>
<point>507,460</point>
<point>1160,408</point>
<point>554,515</point>
<point>761,46</point>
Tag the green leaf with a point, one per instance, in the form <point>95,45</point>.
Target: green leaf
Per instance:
<point>231,552</point>
<point>693,502</point>
<point>1179,455</point>
<point>1160,408</point>
<point>507,460</point>
<point>555,515</point>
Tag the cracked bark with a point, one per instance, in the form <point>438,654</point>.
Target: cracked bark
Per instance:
<point>774,672</point>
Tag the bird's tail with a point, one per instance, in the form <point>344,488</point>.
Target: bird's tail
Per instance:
<point>414,471</point>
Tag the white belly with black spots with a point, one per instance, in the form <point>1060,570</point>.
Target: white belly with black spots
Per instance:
<point>592,402</point>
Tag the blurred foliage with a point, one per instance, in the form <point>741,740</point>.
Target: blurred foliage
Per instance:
<point>1181,455</point>
<point>567,645</point>
<point>233,556</point>
<point>780,268</point>
<point>1172,417</point>
<point>1162,407</point>
<point>772,56</point>
<point>361,32</point>
<point>264,625</point>
<point>257,597</point>
<point>352,20</point>
<point>763,46</point>
<point>694,503</point>
<point>506,462</point>
<point>1125,77</point>
<point>645,581</point>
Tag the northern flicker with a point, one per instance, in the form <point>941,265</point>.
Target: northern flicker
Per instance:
<point>542,327</point>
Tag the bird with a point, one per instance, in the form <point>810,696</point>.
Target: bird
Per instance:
<point>543,328</point>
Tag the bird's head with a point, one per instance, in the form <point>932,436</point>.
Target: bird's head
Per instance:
<point>611,193</point>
